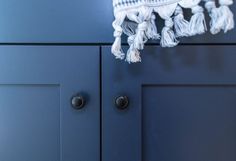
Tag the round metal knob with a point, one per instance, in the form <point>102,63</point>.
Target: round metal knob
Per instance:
<point>122,102</point>
<point>78,102</point>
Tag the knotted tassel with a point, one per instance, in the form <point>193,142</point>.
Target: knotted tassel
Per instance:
<point>152,29</point>
<point>168,38</point>
<point>221,18</point>
<point>116,47</point>
<point>227,17</point>
<point>133,54</point>
<point>180,24</point>
<point>129,27</point>
<point>197,22</point>
<point>140,37</point>
<point>215,14</point>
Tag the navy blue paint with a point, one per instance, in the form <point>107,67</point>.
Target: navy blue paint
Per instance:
<point>185,123</point>
<point>37,121</point>
<point>182,105</point>
<point>77,21</point>
<point>30,122</point>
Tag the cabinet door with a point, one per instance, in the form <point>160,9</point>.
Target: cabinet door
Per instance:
<point>37,121</point>
<point>182,105</point>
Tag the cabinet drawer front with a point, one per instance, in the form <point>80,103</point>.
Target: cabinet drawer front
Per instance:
<point>181,105</point>
<point>37,121</point>
<point>56,21</point>
<point>62,21</point>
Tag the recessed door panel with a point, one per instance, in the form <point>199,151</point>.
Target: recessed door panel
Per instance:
<point>30,122</point>
<point>185,123</point>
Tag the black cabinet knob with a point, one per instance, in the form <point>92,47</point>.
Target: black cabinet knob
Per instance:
<point>78,102</point>
<point>122,102</point>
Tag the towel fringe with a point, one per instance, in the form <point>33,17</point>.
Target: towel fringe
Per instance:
<point>116,47</point>
<point>180,24</point>
<point>139,24</point>
<point>168,38</point>
<point>221,17</point>
<point>133,55</point>
<point>227,15</point>
<point>197,22</point>
<point>140,37</point>
<point>151,32</point>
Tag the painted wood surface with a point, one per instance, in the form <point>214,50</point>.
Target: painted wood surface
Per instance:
<point>182,105</point>
<point>74,21</point>
<point>37,121</point>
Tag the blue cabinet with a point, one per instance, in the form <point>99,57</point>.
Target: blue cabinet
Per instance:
<point>56,21</point>
<point>37,121</point>
<point>74,21</point>
<point>178,104</point>
<point>64,97</point>
<point>181,105</point>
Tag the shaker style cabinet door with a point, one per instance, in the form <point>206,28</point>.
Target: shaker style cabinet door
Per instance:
<point>179,104</point>
<point>38,119</point>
